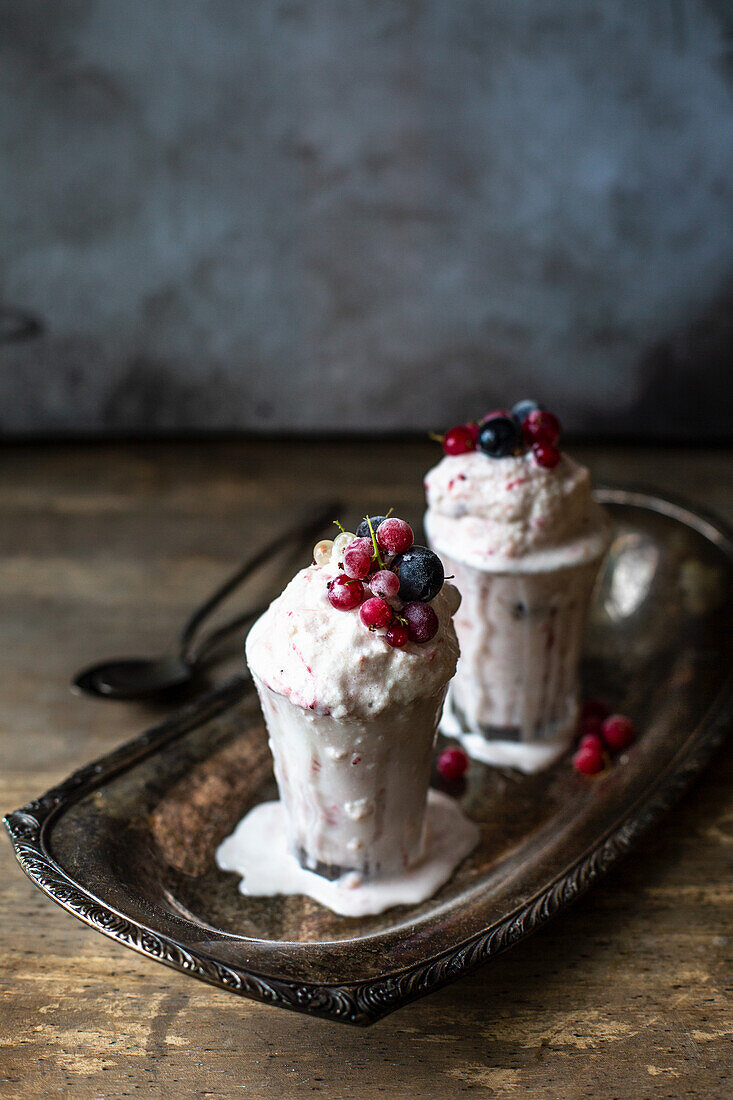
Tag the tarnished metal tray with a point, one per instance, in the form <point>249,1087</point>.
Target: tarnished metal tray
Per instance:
<point>127,843</point>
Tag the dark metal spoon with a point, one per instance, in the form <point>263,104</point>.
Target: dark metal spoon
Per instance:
<point>139,677</point>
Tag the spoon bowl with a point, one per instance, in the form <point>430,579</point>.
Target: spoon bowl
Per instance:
<point>134,677</point>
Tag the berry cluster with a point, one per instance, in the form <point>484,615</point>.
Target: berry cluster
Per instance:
<point>601,735</point>
<point>512,431</point>
<point>387,577</point>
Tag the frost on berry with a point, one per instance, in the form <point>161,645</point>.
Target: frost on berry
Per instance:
<point>422,622</point>
<point>345,594</point>
<point>395,536</point>
<point>357,562</point>
<point>376,613</point>
<point>385,583</point>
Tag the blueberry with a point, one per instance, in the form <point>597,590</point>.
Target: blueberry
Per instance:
<point>500,436</point>
<point>522,409</point>
<point>420,572</point>
<point>363,532</point>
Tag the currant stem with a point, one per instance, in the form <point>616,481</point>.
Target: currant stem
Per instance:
<point>377,555</point>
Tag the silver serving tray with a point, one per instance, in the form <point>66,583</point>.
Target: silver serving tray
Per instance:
<point>126,844</point>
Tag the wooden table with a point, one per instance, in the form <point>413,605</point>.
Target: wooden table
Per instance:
<point>103,549</point>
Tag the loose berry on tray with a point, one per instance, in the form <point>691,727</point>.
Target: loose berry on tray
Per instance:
<point>588,760</point>
<point>376,613</point>
<point>397,635</point>
<point>345,594</point>
<point>546,454</point>
<point>618,732</point>
<point>588,726</point>
<point>452,764</point>
<point>322,551</point>
<point>541,426</point>
<point>384,583</point>
<point>420,572</point>
<point>459,440</point>
<point>500,436</point>
<point>593,708</point>
<point>422,622</point>
<point>357,560</point>
<point>395,536</point>
<point>363,531</point>
<point>593,739</point>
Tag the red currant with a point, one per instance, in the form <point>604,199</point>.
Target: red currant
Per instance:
<point>592,739</point>
<point>395,536</point>
<point>345,594</point>
<point>357,562</point>
<point>376,613</point>
<point>541,426</point>
<point>452,764</point>
<point>459,440</point>
<point>618,732</point>
<point>397,635</point>
<point>588,760</point>
<point>385,583</point>
<point>422,622</point>
<point>364,544</point>
<point>590,725</point>
<point>593,708</point>
<point>546,454</point>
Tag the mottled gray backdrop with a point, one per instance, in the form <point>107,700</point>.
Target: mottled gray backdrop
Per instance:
<point>365,214</point>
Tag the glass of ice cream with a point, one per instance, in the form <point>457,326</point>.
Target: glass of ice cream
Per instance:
<point>523,537</point>
<point>352,673</point>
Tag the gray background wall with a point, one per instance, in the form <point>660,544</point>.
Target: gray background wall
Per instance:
<point>369,214</point>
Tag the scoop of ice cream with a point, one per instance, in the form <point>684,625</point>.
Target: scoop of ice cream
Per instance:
<point>495,512</point>
<point>326,660</point>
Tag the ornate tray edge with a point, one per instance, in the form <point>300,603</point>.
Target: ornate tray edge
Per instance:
<point>365,1002</point>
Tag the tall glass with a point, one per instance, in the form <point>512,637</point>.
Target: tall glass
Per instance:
<point>354,790</point>
<point>514,698</point>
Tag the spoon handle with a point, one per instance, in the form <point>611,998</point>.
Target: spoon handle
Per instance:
<point>300,531</point>
<point>212,640</point>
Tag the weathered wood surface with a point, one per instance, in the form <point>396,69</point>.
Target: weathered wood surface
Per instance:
<point>102,551</point>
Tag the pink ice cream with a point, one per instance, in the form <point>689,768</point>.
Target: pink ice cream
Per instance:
<point>524,544</point>
<point>352,725</point>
